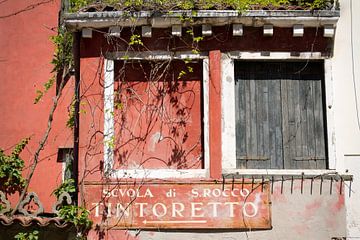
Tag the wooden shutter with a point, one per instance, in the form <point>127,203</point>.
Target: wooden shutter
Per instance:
<point>279,115</point>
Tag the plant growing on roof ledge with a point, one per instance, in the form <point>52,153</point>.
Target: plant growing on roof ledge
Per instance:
<point>168,5</point>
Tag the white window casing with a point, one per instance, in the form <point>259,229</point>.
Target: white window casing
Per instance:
<point>228,112</point>
<point>109,132</point>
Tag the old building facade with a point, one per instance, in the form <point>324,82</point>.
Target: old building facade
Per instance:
<point>198,124</point>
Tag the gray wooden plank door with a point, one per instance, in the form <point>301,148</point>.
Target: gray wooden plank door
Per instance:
<point>279,115</point>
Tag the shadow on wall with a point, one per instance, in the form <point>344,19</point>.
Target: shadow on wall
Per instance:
<point>158,120</point>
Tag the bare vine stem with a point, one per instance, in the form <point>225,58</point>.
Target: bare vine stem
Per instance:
<point>42,142</point>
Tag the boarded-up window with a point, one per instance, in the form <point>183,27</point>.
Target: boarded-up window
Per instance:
<point>280,115</point>
<point>158,115</point>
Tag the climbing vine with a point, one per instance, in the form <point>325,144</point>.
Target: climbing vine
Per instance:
<point>79,216</point>
<point>11,167</point>
<point>62,60</point>
<point>67,186</point>
<point>76,215</point>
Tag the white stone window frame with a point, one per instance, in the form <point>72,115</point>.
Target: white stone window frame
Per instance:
<point>228,112</point>
<point>141,173</point>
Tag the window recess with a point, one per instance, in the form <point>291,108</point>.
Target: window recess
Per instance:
<point>280,118</point>
<point>155,125</point>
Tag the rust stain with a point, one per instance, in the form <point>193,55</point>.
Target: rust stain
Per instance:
<point>311,208</point>
<point>301,229</point>
<point>339,204</point>
<point>314,205</point>
<point>278,196</point>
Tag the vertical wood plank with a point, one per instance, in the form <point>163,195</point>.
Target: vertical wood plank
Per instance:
<point>240,117</point>
<point>285,123</point>
<point>309,105</point>
<point>319,126</point>
<point>275,125</point>
<point>253,122</point>
<point>266,142</point>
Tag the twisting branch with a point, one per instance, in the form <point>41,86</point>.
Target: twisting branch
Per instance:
<point>65,76</point>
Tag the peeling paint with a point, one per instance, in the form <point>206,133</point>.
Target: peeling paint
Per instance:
<point>155,138</point>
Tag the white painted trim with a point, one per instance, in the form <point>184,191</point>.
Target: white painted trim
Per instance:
<point>109,118</point>
<point>329,31</point>
<point>229,161</point>
<point>154,55</point>
<point>274,55</point>
<point>238,29</point>
<point>63,169</point>
<point>108,115</point>
<point>329,93</point>
<point>158,173</point>
<point>228,145</point>
<point>268,30</point>
<point>298,30</point>
<point>176,30</point>
<point>206,78</point>
<point>114,31</point>
<point>206,30</point>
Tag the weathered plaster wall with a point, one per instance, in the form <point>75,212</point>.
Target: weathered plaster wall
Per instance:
<point>346,78</point>
<point>295,216</point>
<point>26,52</point>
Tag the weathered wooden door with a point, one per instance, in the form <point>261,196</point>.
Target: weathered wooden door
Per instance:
<point>280,118</point>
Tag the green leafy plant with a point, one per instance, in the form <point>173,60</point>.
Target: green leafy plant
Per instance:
<point>135,39</point>
<point>63,50</point>
<point>47,86</point>
<point>67,186</point>
<point>78,216</point>
<point>11,167</point>
<point>62,58</point>
<point>34,235</point>
<point>169,5</point>
<point>76,5</point>
<point>70,123</point>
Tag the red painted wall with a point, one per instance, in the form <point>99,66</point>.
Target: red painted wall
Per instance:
<point>215,114</point>
<point>252,40</point>
<point>26,52</point>
<point>140,116</point>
